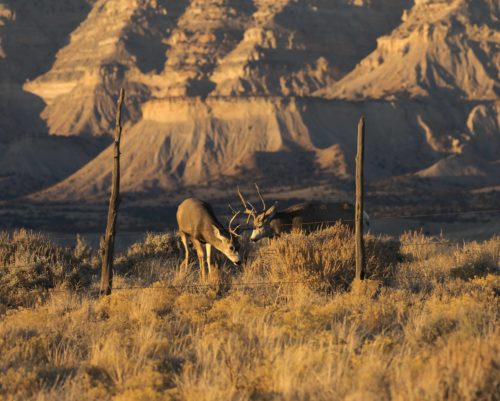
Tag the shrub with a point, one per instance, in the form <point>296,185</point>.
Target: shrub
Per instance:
<point>30,264</point>
<point>326,256</point>
<point>155,245</point>
<point>271,342</point>
<point>476,260</point>
<point>152,259</point>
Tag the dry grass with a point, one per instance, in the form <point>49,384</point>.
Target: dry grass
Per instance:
<point>325,258</point>
<point>424,327</point>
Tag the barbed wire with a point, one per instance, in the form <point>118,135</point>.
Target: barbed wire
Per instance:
<point>197,286</point>
<point>221,283</point>
<point>416,216</point>
<point>443,242</point>
<point>401,275</point>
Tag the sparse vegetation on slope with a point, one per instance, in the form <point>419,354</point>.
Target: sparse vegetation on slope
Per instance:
<point>425,327</point>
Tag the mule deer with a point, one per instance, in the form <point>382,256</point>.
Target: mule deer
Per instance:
<point>308,216</point>
<point>197,220</point>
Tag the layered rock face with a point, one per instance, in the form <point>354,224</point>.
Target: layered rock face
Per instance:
<point>442,48</point>
<point>31,32</point>
<point>80,88</point>
<point>202,48</point>
<point>444,53</point>
<point>273,89</point>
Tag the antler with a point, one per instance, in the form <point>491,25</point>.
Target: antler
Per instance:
<point>233,231</point>
<point>232,209</point>
<point>260,196</point>
<point>250,212</point>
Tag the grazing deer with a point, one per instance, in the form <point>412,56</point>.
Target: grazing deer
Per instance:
<point>197,220</point>
<point>308,216</point>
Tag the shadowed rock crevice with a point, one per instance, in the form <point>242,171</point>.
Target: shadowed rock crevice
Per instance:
<point>341,32</point>
<point>30,35</point>
<point>36,31</point>
<point>207,32</point>
<point>146,38</point>
<point>31,163</point>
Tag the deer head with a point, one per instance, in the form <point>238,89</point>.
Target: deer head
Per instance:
<point>230,246</point>
<point>261,219</point>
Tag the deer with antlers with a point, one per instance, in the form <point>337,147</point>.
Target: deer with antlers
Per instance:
<point>197,221</point>
<point>308,216</point>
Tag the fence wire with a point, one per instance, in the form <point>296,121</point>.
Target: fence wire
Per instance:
<point>441,243</point>
<point>383,217</point>
<point>325,286</point>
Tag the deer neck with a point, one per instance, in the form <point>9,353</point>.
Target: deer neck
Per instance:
<point>218,242</point>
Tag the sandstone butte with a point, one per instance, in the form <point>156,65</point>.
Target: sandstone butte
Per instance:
<point>241,88</point>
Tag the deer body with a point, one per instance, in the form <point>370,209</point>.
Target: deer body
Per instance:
<point>307,216</point>
<point>197,221</point>
<point>312,215</point>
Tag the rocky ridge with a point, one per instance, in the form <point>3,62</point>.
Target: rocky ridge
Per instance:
<point>30,35</point>
<point>219,89</point>
<point>201,48</point>
<point>445,53</point>
<point>449,49</point>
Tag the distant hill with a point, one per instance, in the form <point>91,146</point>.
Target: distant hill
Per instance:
<point>442,49</point>
<point>265,88</point>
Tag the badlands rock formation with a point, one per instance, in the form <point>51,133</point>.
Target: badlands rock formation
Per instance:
<point>31,32</point>
<point>442,48</point>
<point>273,89</point>
<point>200,48</point>
<point>444,55</point>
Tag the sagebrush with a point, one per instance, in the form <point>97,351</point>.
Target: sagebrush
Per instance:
<point>425,326</point>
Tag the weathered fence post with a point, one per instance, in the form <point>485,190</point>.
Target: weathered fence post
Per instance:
<point>360,246</point>
<point>108,247</point>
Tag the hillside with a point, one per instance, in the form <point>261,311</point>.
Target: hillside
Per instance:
<point>31,32</point>
<point>445,49</point>
<point>203,48</point>
<point>202,142</point>
<point>237,90</point>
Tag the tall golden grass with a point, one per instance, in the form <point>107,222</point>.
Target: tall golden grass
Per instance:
<point>425,326</point>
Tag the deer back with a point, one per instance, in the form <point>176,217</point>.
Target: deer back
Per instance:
<point>310,216</point>
<point>196,218</point>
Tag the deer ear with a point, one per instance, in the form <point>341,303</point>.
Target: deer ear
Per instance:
<point>272,210</point>
<point>217,233</point>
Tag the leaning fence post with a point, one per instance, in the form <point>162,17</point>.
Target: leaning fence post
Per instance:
<point>360,246</point>
<point>114,201</point>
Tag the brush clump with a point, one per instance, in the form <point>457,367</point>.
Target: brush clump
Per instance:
<point>325,257</point>
<point>30,264</point>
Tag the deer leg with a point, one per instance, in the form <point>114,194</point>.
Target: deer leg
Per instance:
<point>186,249</point>
<point>201,256</point>
<point>208,247</point>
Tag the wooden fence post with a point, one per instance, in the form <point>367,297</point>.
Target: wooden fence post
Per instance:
<point>360,246</point>
<point>108,248</point>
